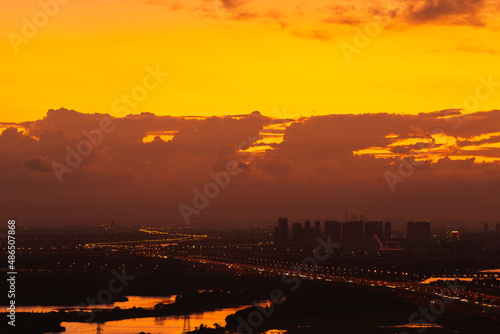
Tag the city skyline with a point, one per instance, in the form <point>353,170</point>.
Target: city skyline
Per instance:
<point>250,166</point>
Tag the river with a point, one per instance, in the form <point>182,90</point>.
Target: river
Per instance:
<point>161,325</point>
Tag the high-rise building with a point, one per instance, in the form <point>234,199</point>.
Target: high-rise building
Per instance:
<point>352,231</point>
<point>387,231</point>
<point>317,228</point>
<point>373,229</point>
<point>308,233</point>
<point>297,234</point>
<point>334,230</point>
<point>281,233</point>
<point>491,235</point>
<point>418,231</point>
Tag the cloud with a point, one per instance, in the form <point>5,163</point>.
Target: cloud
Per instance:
<point>402,14</point>
<point>323,166</point>
<point>313,20</point>
<point>353,14</point>
<point>477,49</point>
<point>170,5</point>
<point>276,168</point>
<point>344,15</point>
<point>232,4</point>
<point>38,164</point>
<point>452,12</point>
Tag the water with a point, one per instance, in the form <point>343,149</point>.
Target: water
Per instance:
<point>415,325</point>
<point>435,279</point>
<point>494,272</point>
<point>137,301</point>
<point>163,325</point>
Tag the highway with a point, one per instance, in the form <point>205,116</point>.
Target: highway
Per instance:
<point>454,297</point>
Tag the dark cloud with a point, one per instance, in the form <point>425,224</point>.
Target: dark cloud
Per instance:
<point>344,15</point>
<point>491,140</point>
<point>232,4</point>
<point>441,113</point>
<point>355,15</point>
<point>38,164</point>
<point>276,168</point>
<point>452,12</point>
<point>414,12</point>
<point>316,171</point>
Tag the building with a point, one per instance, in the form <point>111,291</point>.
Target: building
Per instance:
<point>334,230</point>
<point>471,237</point>
<point>281,233</point>
<point>297,234</point>
<point>387,231</point>
<point>491,235</point>
<point>418,231</point>
<point>308,234</point>
<point>373,229</point>
<point>317,228</point>
<point>352,231</point>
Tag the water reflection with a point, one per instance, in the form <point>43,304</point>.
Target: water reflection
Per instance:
<point>160,325</point>
<point>137,301</point>
<point>415,325</point>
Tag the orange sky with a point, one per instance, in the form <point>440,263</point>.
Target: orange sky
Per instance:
<point>236,56</point>
<point>388,107</point>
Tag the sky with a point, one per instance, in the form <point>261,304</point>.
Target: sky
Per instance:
<point>311,108</point>
<point>233,56</point>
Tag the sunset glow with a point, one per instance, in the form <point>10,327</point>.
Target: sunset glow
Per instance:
<point>319,93</point>
<point>282,53</point>
<point>250,166</point>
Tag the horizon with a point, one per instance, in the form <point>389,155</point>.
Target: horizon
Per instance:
<point>165,164</point>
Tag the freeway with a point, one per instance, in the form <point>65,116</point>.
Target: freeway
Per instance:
<point>455,296</point>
